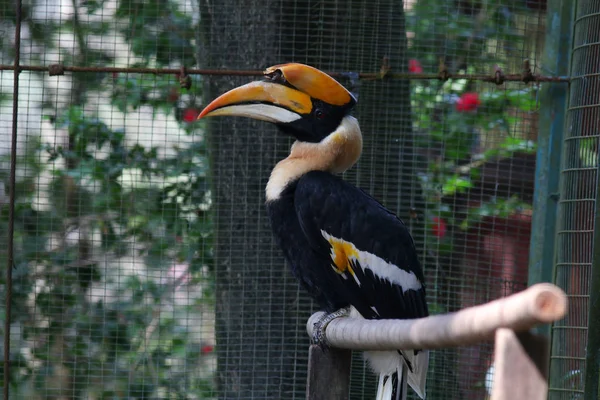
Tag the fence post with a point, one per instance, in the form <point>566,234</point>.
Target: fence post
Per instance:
<point>328,373</point>
<point>592,359</point>
<point>575,369</point>
<point>553,98</point>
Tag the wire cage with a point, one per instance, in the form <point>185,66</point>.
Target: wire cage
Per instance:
<point>140,261</point>
<point>575,244</point>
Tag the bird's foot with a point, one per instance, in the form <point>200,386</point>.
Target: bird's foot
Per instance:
<point>318,336</point>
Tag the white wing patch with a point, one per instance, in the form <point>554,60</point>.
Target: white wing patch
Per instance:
<point>343,251</point>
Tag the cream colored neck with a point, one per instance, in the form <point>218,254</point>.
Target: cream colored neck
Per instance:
<point>336,153</point>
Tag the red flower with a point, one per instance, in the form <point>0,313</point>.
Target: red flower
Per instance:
<point>414,66</point>
<point>190,114</point>
<point>207,349</point>
<point>468,102</point>
<point>438,229</point>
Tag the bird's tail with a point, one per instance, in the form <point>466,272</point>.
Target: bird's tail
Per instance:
<point>417,377</point>
<point>411,370</point>
<point>393,386</point>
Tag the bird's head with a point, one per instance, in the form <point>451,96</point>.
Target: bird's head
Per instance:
<point>307,104</point>
<point>301,100</point>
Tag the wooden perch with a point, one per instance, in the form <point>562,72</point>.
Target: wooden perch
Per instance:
<point>540,304</point>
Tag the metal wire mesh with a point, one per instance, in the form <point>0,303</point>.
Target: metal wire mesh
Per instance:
<point>577,205</point>
<point>145,266</point>
<point>466,266</point>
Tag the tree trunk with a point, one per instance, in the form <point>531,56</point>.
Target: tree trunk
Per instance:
<point>261,314</point>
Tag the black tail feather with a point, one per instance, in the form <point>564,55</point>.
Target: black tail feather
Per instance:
<point>397,387</point>
<point>393,386</point>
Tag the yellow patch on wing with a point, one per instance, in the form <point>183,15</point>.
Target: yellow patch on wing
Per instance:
<point>341,253</point>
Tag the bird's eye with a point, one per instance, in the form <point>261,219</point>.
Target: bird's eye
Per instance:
<point>319,113</point>
<point>276,76</point>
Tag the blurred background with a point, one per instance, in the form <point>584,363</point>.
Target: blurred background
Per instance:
<point>143,263</point>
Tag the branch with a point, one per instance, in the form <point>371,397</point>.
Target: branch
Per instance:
<point>146,334</point>
<point>78,32</point>
<point>540,304</point>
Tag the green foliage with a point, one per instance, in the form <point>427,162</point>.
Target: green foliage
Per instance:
<point>157,30</point>
<point>501,208</point>
<point>113,236</point>
<point>459,126</point>
<point>469,35</point>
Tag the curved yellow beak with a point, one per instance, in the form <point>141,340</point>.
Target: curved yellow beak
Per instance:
<point>284,96</point>
<point>266,101</point>
<point>315,83</point>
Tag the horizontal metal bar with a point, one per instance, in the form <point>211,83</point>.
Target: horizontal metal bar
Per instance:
<point>568,358</point>
<point>578,169</point>
<point>584,107</point>
<point>581,137</point>
<point>564,327</point>
<point>575,264</point>
<point>577,200</point>
<point>59,69</point>
<point>573,390</point>
<point>587,16</point>
<point>583,76</point>
<point>585,46</point>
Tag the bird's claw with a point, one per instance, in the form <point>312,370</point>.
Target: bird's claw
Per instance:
<point>318,336</point>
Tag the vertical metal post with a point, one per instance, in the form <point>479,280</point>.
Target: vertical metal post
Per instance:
<point>592,360</point>
<point>553,101</point>
<point>592,69</point>
<point>591,16</point>
<point>579,193</point>
<point>11,204</point>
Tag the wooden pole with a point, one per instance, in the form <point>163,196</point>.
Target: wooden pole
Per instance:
<point>328,373</point>
<point>540,304</point>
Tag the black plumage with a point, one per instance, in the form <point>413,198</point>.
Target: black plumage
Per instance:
<point>319,201</point>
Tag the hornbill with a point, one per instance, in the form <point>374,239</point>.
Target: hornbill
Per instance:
<point>347,250</point>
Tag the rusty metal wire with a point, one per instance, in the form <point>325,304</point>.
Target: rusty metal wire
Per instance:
<point>497,77</point>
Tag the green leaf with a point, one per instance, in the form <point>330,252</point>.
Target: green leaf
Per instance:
<point>456,184</point>
<point>502,208</point>
<point>525,99</point>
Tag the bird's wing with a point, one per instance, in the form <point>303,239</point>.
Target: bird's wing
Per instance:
<point>370,250</point>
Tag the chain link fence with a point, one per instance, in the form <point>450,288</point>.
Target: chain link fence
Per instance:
<point>577,211</point>
<point>143,263</point>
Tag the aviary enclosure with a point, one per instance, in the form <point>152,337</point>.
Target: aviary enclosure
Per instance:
<point>136,254</point>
